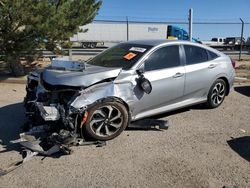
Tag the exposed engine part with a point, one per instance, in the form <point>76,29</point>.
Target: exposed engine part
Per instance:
<point>48,113</point>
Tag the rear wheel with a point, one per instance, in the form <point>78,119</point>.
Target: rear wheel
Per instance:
<point>105,121</point>
<point>92,45</point>
<point>216,94</point>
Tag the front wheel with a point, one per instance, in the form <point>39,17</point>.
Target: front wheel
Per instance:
<point>216,94</point>
<point>105,121</point>
<point>84,45</point>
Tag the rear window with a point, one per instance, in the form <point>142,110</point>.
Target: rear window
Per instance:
<point>123,55</point>
<point>211,55</point>
<point>195,54</point>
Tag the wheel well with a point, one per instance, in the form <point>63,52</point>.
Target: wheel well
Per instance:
<point>227,84</point>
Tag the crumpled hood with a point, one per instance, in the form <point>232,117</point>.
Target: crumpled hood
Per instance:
<point>92,74</point>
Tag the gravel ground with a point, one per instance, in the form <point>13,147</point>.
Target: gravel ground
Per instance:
<point>201,148</point>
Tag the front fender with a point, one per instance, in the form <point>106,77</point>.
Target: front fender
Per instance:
<point>123,91</point>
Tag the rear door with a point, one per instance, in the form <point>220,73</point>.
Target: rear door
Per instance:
<point>201,69</point>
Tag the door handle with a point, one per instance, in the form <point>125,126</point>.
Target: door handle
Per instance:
<point>178,74</point>
<point>211,66</point>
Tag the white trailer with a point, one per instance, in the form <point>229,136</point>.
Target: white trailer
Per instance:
<point>101,32</point>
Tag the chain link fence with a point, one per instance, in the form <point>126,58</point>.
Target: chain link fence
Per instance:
<point>203,31</point>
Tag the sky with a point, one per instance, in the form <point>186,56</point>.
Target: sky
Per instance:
<point>228,11</point>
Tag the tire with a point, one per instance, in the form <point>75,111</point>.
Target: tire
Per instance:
<point>92,45</point>
<point>216,94</point>
<point>105,121</point>
<point>84,45</point>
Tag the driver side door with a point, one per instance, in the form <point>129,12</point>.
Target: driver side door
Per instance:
<point>164,69</point>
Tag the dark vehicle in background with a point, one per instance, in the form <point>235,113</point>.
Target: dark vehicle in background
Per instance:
<point>233,43</point>
<point>229,43</point>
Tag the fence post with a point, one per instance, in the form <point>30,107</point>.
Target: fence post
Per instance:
<point>127,28</point>
<point>241,38</point>
<point>190,22</point>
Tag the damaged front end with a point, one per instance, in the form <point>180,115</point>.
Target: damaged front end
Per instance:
<point>52,94</point>
<point>46,104</point>
<point>94,100</point>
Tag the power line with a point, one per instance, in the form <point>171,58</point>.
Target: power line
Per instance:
<point>171,20</point>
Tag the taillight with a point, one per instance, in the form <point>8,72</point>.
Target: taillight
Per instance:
<point>233,63</point>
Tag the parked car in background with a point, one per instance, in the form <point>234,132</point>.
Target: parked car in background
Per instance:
<point>128,82</point>
<point>214,42</point>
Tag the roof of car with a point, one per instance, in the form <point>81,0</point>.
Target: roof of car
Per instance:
<point>155,42</point>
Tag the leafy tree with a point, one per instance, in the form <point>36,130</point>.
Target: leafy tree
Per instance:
<point>26,25</point>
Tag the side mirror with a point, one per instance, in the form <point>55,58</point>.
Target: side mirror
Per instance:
<point>145,84</point>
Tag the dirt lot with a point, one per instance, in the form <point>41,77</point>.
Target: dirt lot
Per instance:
<point>201,148</point>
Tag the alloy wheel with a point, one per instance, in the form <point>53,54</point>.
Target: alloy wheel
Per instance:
<point>106,121</point>
<point>218,93</point>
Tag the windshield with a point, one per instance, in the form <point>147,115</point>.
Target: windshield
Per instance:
<point>123,55</point>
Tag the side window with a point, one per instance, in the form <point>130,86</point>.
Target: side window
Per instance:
<point>195,54</point>
<point>211,55</point>
<point>165,57</point>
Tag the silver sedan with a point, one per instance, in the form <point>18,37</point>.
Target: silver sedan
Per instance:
<point>130,81</point>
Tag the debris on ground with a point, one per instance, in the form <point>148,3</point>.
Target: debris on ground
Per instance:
<point>150,124</point>
<point>242,130</point>
<point>39,140</point>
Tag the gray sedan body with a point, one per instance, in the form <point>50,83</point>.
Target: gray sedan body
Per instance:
<point>178,74</point>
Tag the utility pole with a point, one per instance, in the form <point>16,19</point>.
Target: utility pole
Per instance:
<point>127,28</point>
<point>190,24</point>
<point>241,38</point>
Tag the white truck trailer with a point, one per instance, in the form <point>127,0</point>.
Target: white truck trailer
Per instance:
<point>101,32</point>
